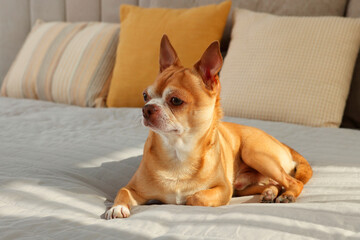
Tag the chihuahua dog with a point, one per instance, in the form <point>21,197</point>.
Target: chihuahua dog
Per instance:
<point>191,157</point>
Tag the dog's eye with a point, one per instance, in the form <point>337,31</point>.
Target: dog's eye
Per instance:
<point>176,101</point>
<point>145,96</point>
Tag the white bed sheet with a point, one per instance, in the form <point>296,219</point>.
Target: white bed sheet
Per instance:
<point>60,166</point>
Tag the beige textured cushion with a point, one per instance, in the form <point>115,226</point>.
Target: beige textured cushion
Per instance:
<point>289,69</point>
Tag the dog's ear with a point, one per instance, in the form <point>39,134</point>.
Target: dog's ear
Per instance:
<point>168,55</point>
<point>209,66</point>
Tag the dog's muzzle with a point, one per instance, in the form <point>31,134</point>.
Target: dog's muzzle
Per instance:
<point>150,111</point>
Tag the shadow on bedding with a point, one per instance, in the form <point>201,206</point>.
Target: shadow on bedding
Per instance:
<point>110,176</point>
<point>57,228</point>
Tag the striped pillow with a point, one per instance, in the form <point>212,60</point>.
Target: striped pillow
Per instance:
<point>68,63</point>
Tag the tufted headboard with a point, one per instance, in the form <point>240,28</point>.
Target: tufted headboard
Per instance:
<point>17,16</point>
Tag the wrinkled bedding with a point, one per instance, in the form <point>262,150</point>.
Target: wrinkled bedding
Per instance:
<point>61,166</point>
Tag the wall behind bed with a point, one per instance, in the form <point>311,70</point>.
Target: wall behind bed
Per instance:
<point>17,16</point>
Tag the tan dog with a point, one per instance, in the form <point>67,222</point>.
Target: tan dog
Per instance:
<point>191,157</point>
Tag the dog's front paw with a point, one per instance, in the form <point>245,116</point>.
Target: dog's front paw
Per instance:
<point>194,200</point>
<point>118,211</point>
<point>197,200</point>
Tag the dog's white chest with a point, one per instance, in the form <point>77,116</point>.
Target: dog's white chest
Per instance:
<point>175,188</point>
<point>178,149</point>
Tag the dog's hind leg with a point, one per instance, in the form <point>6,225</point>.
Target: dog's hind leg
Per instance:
<point>268,192</point>
<point>267,161</point>
<point>250,190</point>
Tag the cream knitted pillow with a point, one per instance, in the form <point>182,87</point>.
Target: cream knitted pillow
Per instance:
<point>289,69</point>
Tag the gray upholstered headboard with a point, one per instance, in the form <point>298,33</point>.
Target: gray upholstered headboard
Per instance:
<point>17,16</point>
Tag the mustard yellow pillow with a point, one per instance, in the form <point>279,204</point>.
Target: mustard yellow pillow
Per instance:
<point>137,59</point>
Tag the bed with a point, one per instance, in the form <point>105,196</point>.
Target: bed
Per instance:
<point>62,165</point>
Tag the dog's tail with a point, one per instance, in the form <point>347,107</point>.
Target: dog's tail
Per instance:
<point>303,170</point>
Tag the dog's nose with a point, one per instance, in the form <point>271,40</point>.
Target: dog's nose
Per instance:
<point>149,110</point>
